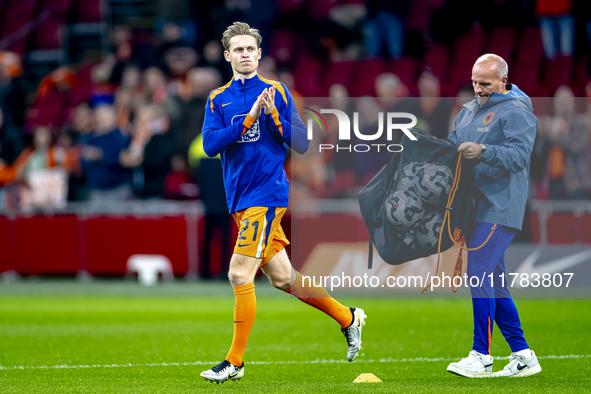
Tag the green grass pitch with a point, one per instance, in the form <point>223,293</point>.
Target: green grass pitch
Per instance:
<point>67,337</point>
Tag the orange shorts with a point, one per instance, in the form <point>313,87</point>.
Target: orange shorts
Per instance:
<point>260,234</point>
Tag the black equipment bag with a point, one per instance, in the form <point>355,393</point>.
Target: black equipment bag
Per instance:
<point>403,206</point>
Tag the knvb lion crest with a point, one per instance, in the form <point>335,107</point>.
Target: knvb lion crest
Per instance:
<point>488,118</point>
<point>253,134</point>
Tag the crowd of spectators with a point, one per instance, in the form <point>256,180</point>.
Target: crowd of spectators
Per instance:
<point>128,126</point>
<point>128,139</point>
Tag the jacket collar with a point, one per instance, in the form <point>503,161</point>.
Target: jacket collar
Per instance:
<point>248,83</point>
<point>474,107</point>
<point>512,92</point>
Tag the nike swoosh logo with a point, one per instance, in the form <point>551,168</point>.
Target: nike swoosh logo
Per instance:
<point>559,265</point>
<point>223,105</point>
<point>241,245</point>
<point>489,365</point>
<point>236,374</point>
<point>521,366</point>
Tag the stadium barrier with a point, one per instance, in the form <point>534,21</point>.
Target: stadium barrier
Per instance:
<point>99,239</point>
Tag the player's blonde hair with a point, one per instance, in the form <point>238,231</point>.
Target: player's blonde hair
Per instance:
<point>240,29</point>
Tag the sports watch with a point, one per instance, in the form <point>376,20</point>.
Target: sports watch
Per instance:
<point>482,150</point>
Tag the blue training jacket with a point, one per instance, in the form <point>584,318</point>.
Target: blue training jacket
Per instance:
<point>253,152</point>
<point>507,126</point>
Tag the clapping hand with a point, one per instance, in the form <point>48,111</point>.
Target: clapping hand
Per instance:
<point>269,100</point>
<point>255,111</point>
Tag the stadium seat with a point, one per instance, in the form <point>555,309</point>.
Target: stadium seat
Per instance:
<point>405,68</point>
<point>50,34</point>
<point>459,76</point>
<point>501,42</point>
<point>59,7</point>
<point>320,9</point>
<point>580,77</point>
<point>529,50</point>
<point>367,71</point>
<point>16,16</point>
<point>308,77</point>
<point>340,72</point>
<point>285,6</point>
<point>419,15</point>
<point>468,48</point>
<point>281,46</point>
<point>558,72</point>
<point>88,11</point>
<point>436,58</point>
<point>525,76</point>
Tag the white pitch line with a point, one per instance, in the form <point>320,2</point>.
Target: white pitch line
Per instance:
<point>317,361</point>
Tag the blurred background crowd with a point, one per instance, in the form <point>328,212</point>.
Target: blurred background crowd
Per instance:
<point>103,100</point>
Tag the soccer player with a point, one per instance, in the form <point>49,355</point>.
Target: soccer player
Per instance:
<point>497,130</point>
<point>250,122</point>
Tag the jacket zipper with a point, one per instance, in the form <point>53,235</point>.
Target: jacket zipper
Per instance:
<point>472,121</point>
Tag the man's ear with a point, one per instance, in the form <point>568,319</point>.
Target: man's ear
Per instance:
<point>227,56</point>
<point>260,53</point>
<point>504,82</point>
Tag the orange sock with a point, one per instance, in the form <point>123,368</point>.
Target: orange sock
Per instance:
<point>245,310</point>
<point>319,298</point>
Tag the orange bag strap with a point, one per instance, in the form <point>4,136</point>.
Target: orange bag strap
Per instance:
<point>447,218</point>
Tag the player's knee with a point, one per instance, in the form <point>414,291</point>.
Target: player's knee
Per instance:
<point>237,277</point>
<point>281,283</point>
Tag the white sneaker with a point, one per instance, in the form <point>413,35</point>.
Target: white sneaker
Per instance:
<point>353,333</point>
<point>520,366</point>
<point>476,365</point>
<point>223,371</point>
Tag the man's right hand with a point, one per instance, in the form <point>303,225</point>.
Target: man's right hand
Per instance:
<point>255,111</point>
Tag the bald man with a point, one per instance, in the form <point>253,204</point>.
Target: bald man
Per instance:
<point>496,132</point>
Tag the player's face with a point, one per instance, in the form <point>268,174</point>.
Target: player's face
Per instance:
<point>486,81</point>
<point>243,55</point>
